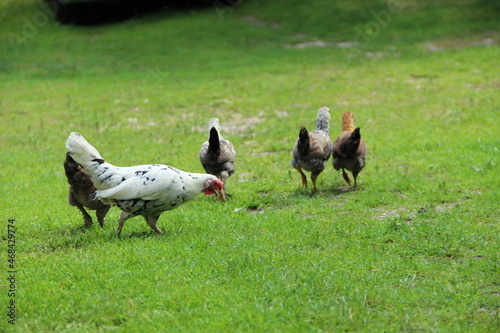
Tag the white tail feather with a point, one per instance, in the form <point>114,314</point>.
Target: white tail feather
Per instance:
<point>82,151</point>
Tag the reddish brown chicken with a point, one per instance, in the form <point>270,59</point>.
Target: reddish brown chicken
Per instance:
<point>82,192</point>
<point>349,149</point>
<point>312,150</point>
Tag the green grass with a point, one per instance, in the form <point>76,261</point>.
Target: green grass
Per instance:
<point>415,248</point>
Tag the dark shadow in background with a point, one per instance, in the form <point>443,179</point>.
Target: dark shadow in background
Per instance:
<point>94,12</point>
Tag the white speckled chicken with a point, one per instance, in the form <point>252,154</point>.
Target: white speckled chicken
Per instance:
<point>312,150</point>
<point>146,190</point>
<point>217,155</point>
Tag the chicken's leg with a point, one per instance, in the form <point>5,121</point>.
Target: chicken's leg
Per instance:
<point>86,216</point>
<point>314,176</point>
<point>123,217</point>
<point>101,213</point>
<point>304,178</point>
<point>346,177</point>
<point>355,175</point>
<point>151,220</point>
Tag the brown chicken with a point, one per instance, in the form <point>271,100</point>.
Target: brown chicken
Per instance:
<point>349,149</point>
<point>217,156</point>
<point>312,150</point>
<point>82,192</point>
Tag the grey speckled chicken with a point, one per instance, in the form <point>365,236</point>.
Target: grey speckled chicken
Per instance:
<point>349,149</point>
<point>217,155</point>
<point>312,150</point>
<point>82,192</point>
<point>146,190</point>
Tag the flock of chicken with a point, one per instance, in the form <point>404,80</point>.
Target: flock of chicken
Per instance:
<point>149,190</point>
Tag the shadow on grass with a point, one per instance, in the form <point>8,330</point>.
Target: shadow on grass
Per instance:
<point>167,232</point>
<point>108,232</point>
<point>332,190</point>
<point>64,238</point>
<point>76,238</point>
<point>78,231</point>
<point>339,190</point>
<point>141,234</point>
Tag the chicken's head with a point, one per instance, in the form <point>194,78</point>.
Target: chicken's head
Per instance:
<point>212,185</point>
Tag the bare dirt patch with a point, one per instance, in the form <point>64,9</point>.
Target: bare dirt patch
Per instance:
<point>486,39</point>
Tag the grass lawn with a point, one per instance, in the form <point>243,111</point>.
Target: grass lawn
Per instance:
<point>414,248</point>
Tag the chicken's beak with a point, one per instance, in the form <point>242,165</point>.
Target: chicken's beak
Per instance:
<point>214,187</point>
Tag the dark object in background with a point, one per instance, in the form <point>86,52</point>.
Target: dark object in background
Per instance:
<point>90,12</point>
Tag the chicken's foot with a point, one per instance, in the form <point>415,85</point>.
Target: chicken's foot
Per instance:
<point>346,177</point>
